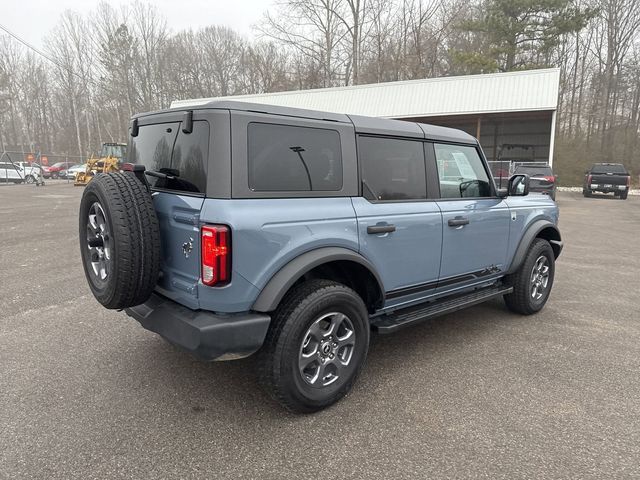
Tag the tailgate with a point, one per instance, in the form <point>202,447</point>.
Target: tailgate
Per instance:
<point>609,179</point>
<point>180,266</point>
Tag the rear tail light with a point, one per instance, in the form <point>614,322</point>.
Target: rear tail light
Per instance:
<point>216,254</point>
<point>550,178</point>
<point>588,179</point>
<point>629,181</point>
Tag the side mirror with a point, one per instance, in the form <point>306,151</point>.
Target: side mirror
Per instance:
<point>519,185</point>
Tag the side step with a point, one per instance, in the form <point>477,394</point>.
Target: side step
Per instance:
<point>409,316</point>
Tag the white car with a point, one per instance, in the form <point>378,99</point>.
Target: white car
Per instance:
<point>73,171</point>
<point>31,172</point>
<point>20,172</point>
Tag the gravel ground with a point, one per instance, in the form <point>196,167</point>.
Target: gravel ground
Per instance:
<point>87,393</point>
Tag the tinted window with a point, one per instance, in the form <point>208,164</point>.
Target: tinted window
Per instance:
<point>164,148</point>
<point>615,168</point>
<point>152,147</point>
<point>534,170</point>
<point>461,172</point>
<point>190,159</point>
<point>286,158</point>
<point>392,169</point>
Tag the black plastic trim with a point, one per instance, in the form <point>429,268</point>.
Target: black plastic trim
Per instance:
<point>206,335</point>
<point>529,235</point>
<point>283,280</point>
<point>445,282</point>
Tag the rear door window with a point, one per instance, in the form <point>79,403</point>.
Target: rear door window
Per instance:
<point>392,169</point>
<point>286,158</point>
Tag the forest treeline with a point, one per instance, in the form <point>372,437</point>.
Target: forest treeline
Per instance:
<point>95,71</point>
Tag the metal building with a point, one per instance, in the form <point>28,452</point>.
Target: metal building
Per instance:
<point>513,114</point>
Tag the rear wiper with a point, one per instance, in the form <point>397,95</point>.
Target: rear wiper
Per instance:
<point>153,173</point>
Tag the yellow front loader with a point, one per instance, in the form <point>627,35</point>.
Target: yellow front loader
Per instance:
<point>109,160</point>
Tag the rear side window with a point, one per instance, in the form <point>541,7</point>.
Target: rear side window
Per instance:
<point>616,168</point>
<point>392,169</point>
<point>461,172</point>
<point>164,148</point>
<point>285,158</point>
<point>532,170</point>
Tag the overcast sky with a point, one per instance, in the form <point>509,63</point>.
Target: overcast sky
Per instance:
<point>33,19</point>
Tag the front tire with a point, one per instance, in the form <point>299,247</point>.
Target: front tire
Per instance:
<point>316,346</point>
<point>533,281</point>
<point>30,179</point>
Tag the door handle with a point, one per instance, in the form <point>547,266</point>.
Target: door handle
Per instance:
<point>458,221</point>
<point>374,229</point>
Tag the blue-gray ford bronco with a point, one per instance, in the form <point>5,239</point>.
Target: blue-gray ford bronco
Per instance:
<point>238,228</point>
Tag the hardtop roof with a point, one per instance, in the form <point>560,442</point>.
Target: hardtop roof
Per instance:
<point>362,124</point>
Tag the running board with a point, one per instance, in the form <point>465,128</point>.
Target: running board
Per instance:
<point>410,316</point>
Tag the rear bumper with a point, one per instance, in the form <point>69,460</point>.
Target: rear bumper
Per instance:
<point>607,189</point>
<point>206,335</point>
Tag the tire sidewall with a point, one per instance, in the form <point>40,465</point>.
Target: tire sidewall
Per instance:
<point>340,301</point>
<point>538,249</point>
<point>93,194</point>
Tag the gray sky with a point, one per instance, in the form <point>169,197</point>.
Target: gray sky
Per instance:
<point>33,19</point>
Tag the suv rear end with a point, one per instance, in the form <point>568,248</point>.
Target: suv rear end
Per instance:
<point>541,178</point>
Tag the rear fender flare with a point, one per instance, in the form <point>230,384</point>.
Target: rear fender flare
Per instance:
<point>283,280</point>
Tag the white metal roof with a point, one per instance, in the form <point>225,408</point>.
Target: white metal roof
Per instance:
<point>528,90</point>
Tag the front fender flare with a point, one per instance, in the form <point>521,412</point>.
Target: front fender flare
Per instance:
<point>281,282</point>
<point>532,232</point>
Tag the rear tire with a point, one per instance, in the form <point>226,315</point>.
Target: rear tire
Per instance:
<point>624,195</point>
<point>586,193</point>
<point>307,362</point>
<point>533,281</point>
<point>119,240</point>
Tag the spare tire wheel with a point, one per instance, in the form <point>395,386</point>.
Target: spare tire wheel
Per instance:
<point>119,240</point>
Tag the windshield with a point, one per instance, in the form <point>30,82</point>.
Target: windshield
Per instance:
<point>611,168</point>
<point>118,151</point>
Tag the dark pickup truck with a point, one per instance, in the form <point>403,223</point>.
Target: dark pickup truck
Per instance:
<point>607,178</point>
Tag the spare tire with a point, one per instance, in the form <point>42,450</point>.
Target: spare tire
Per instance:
<point>119,240</point>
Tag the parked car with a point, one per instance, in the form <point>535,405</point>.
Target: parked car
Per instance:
<point>72,171</point>
<point>239,228</point>
<point>54,170</point>
<point>31,171</point>
<point>607,178</point>
<point>11,172</point>
<point>541,178</point>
